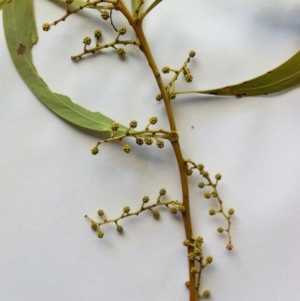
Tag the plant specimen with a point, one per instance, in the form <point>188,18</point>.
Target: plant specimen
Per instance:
<point>150,133</point>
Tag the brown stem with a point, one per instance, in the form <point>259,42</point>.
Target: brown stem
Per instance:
<point>137,26</point>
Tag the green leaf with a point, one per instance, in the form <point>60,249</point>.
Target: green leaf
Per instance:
<point>156,2</point>
<point>3,3</point>
<point>283,77</point>
<point>134,4</point>
<point>77,3</point>
<point>21,35</point>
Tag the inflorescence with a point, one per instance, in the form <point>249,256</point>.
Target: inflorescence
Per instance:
<point>170,88</point>
<point>146,136</point>
<point>199,262</point>
<point>211,195</point>
<point>173,207</point>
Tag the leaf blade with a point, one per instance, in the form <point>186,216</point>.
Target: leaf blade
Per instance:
<point>21,34</point>
<point>153,5</point>
<point>284,77</point>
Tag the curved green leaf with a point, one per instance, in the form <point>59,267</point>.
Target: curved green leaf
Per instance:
<point>3,3</point>
<point>283,77</point>
<point>156,2</point>
<point>21,35</point>
<point>134,4</point>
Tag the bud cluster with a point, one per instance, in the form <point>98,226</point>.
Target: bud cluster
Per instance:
<point>172,206</point>
<point>195,255</point>
<point>213,194</point>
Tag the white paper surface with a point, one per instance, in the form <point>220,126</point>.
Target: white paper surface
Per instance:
<point>49,180</point>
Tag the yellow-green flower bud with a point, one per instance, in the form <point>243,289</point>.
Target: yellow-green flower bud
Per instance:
<point>200,166</point>
<point>204,173</point>
<point>212,212</point>
<point>153,120</point>
<point>201,184</point>
<point>162,191</point>
<point>104,15</point>
<point>115,126</point>
<point>200,239</point>
<point>165,69</point>
<point>148,141</point>
<point>100,212</point>
<point>189,78</point>
<point>218,176</point>
<point>145,199</point>
<point>207,195</point>
<point>158,97</point>
<point>119,229</point>
<point>220,229</point>
<point>127,148</point>
<point>121,52</point>
<point>133,124</point>
<point>194,270</point>
<point>155,214</point>
<point>187,284</point>
<point>139,141</point>
<point>189,172</point>
<point>46,26</point>
<point>172,95</point>
<point>94,150</point>
<point>126,209</point>
<point>209,259</point>
<point>173,210</point>
<point>122,30</point>
<point>160,143</point>
<point>191,256</point>
<point>94,226</point>
<point>206,293</point>
<point>186,242</point>
<point>231,211</point>
<point>192,53</point>
<point>87,41</point>
<point>100,234</point>
<point>97,34</point>
<point>229,246</point>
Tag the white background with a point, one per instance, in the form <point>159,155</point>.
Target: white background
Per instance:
<point>49,180</point>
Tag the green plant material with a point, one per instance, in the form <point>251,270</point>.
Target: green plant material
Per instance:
<point>80,3</point>
<point>282,78</point>
<point>134,5</point>
<point>156,2</point>
<point>21,35</point>
<point>3,3</point>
